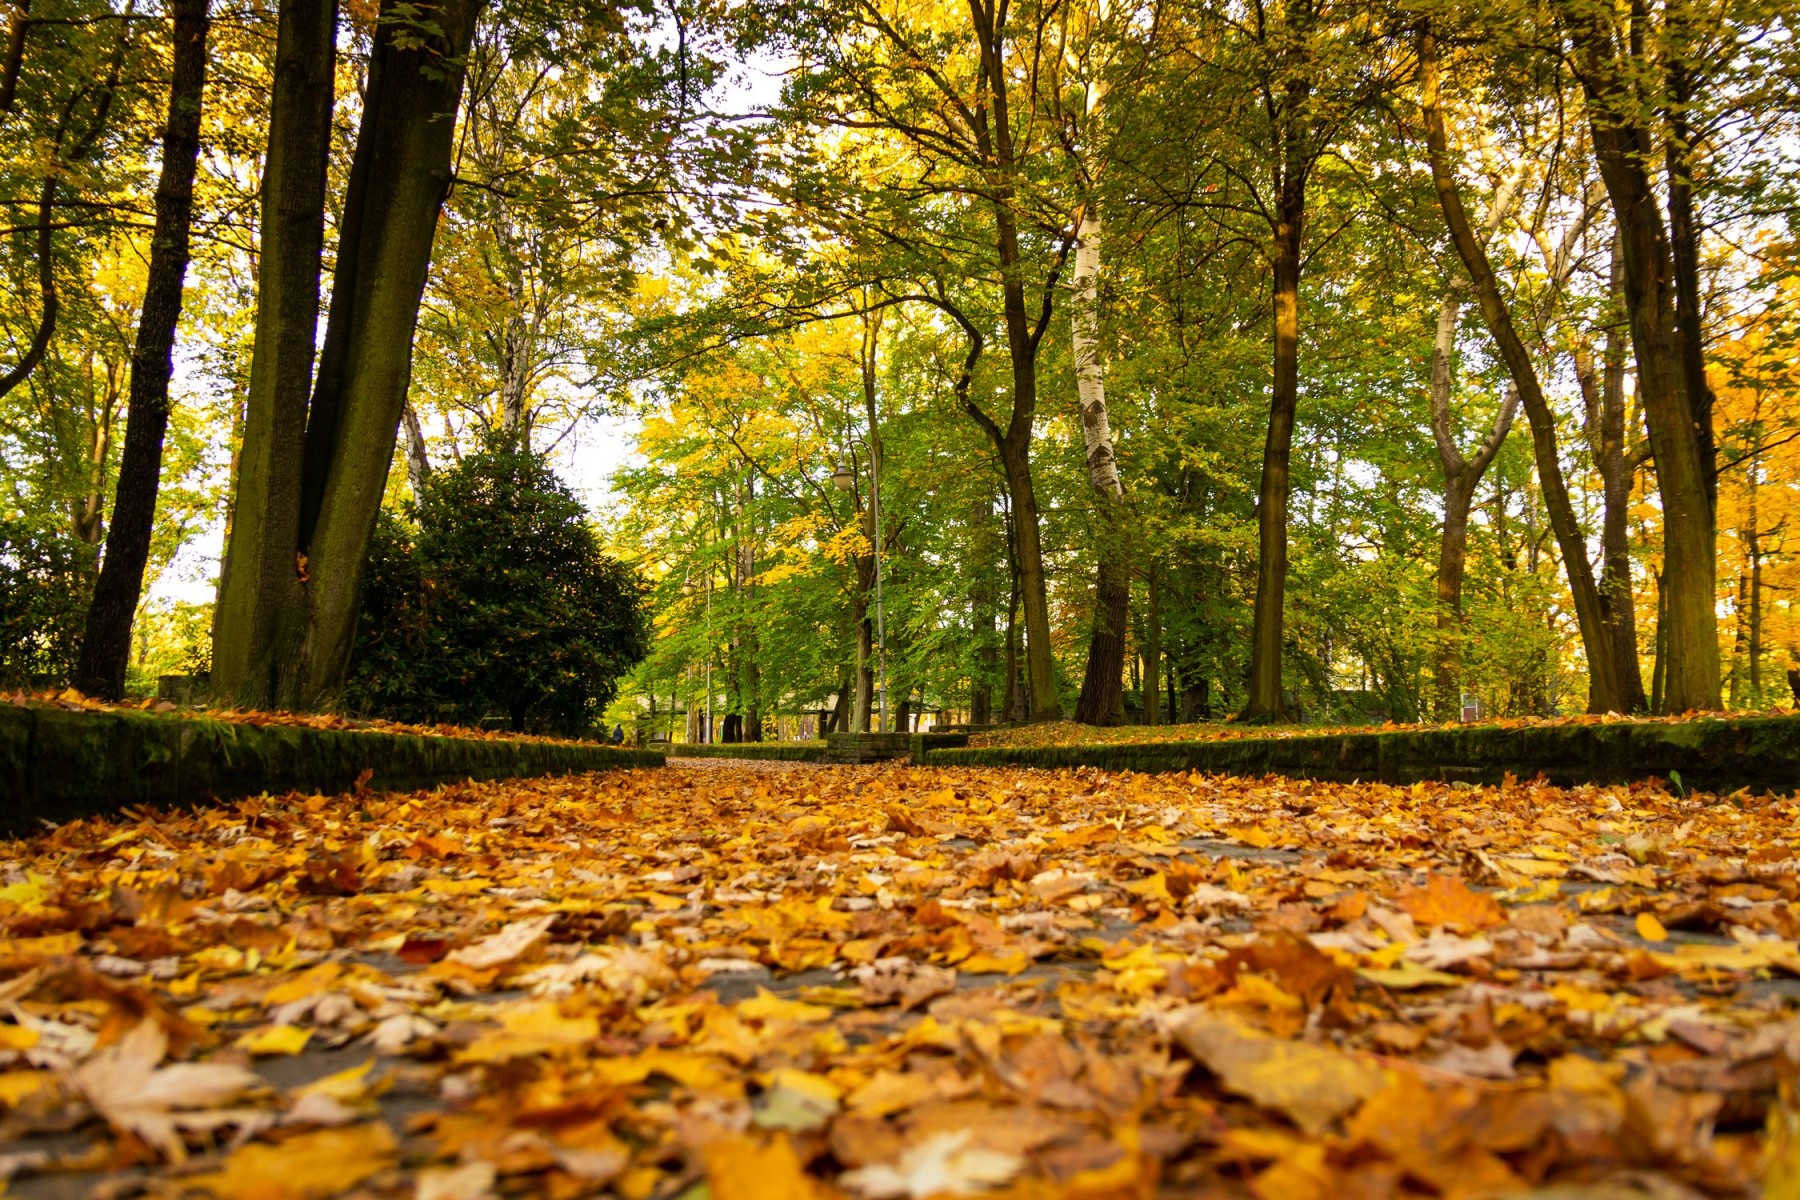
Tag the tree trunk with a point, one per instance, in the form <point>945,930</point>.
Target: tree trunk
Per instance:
<point>106,645</point>
<point>398,180</point>
<point>994,132</point>
<point>1039,670</point>
<point>79,148</point>
<point>1174,708</point>
<point>1659,664</point>
<point>1754,552</point>
<point>1102,700</point>
<point>1264,703</point>
<point>1604,401</point>
<point>1681,447</point>
<point>865,668</point>
<point>1452,556</point>
<point>1461,477</point>
<point>1735,676</point>
<point>749,682</point>
<point>1152,690</point>
<point>418,462</point>
<point>16,29</point>
<point>1684,248</point>
<point>258,576</point>
<point>840,710</point>
<point>1011,710</point>
<point>982,611</point>
<point>1756,623</point>
<point>1604,693</point>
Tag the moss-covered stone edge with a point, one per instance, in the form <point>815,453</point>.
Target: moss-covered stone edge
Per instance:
<point>57,765</point>
<point>1710,754</point>
<point>776,751</point>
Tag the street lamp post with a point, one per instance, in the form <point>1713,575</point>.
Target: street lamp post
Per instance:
<point>844,478</point>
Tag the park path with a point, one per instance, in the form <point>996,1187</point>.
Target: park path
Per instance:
<point>778,979</point>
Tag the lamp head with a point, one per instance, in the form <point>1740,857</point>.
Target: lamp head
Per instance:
<point>844,479</point>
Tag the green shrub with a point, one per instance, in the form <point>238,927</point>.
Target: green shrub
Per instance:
<point>496,602</point>
<point>46,577</point>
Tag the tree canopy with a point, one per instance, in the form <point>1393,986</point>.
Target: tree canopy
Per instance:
<point>1004,360</point>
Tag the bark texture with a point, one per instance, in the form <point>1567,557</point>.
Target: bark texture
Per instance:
<point>1102,699</point>
<point>259,576</point>
<point>1680,440</point>
<point>1265,701</point>
<point>993,133</point>
<point>1603,398</point>
<point>106,645</point>
<point>1152,689</point>
<point>398,179</point>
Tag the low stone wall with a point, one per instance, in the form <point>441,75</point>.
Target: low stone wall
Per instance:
<point>765,751</point>
<point>1716,755</point>
<point>921,744</point>
<point>57,765</point>
<point>867,747</point>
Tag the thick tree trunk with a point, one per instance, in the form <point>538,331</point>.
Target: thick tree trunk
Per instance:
<point>259,577</point>
<point>1604,693</point>
<point>398,180</point>
<point>106,645</point>
<point>994,138</point>
<point>1265,700</point>
<point>1680,444</point>
<point>1684,254</point>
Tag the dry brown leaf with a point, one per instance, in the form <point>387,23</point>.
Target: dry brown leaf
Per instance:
<point>126,1086</point>
<point>1310,1085</point>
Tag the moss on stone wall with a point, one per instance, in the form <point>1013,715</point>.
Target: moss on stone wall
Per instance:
<point>1712,754</point>
<point>775,751</point>
<point>56,765</point>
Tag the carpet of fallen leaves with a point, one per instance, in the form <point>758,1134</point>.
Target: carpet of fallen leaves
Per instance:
<point>772,980</point>
<point>72,700</point>
<point>1069,733</point>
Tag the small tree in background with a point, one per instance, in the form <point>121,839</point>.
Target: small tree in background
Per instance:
<point>498,601</point>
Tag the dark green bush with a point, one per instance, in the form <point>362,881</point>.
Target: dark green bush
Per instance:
<point>496,602</point>
<point>46,577</point>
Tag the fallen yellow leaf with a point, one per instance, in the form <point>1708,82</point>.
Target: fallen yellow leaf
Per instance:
<point>1310,1085</point>
<point>305,1167</point>
<point>767,1006</point>
<point>276,1039</point>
